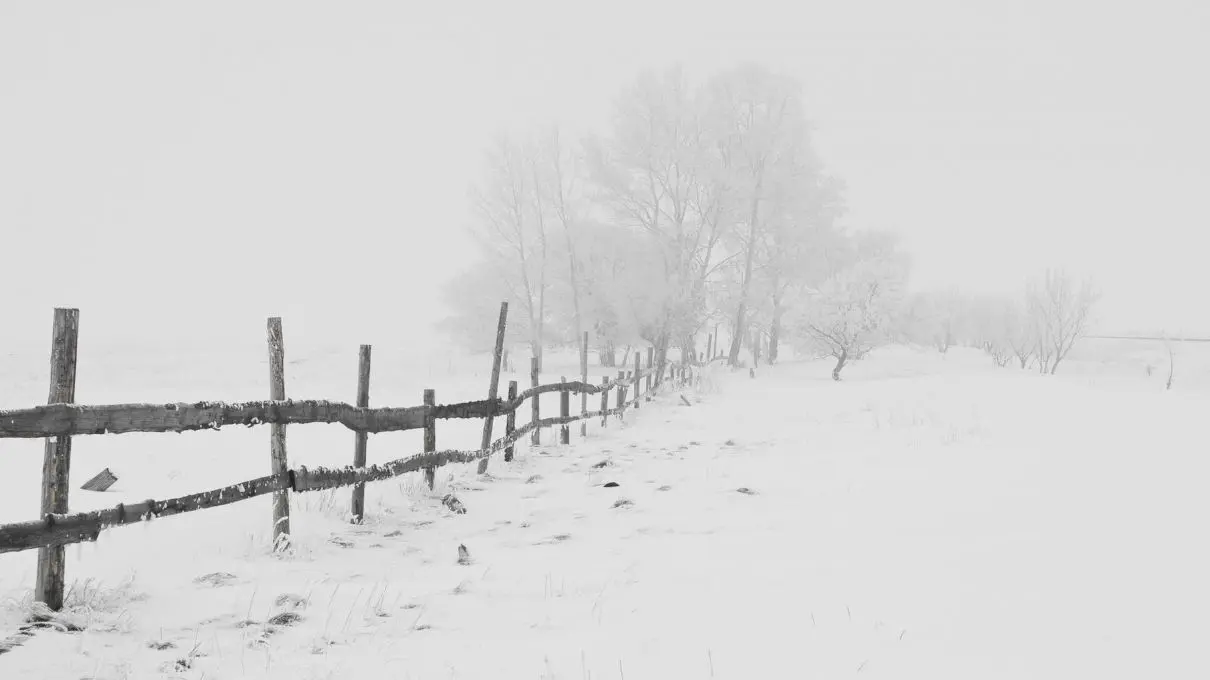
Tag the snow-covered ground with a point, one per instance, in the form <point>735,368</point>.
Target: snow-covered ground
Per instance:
<point>928,517</point>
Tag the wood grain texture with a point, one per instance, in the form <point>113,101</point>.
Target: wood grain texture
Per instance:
<point>430,439</point>
<point>493,387</point>
<point>604,402</point>
<point>68,419</point>
<point>535,405</point>
<point>584,380</point>
<point>51,574</point>
<point>510,421</point>
<point>564,412</point>
<point>361,439</point>
<point>278,462</point>
<point>61,529</point>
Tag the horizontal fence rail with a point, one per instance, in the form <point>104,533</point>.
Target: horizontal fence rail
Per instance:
<point>58,420</point>
<point>55,530</point>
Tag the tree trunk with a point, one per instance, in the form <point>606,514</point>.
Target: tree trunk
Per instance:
<point>840,362</point>
<point>775,333</point>
<point>742,313</point>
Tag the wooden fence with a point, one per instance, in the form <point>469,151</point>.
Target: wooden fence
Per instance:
<point>60,420</point>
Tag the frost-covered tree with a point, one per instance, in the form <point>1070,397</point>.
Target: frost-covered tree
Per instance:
<point>653,176</point>
<point>756,120</point>
<point>853,311</point>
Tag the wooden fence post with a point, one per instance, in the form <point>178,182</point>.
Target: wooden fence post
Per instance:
<point>621,396</point>
<point>361,439</point>
<point>277,436</point>
<point>56,461</point>
<point>564,411</point>
<point>584,379</point>
<point>650,371</point>
<point>604,401</point>
<point>638,379</point>
<point>535,436</point>
<point>709,347</point>
<point>510,421</point>
<point>493,389</point>
<point>430,437</point>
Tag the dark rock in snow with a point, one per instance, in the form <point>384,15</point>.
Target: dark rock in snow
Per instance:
<point>285,619</point>
<point>451,501</point>
<point>610,485</point>
<point>218,578</point>
<point>464,555</point>
<point>746,491</point>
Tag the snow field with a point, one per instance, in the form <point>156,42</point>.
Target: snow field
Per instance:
<point>927,517</point>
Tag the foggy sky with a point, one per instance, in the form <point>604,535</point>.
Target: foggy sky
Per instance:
<point>184,171</point>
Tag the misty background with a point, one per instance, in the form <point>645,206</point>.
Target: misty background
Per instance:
<point>181,172</point>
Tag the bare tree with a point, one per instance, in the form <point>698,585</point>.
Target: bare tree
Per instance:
<point>512,231</point>
<point>1059,311</point>
<point>650,175</point>
<point>758,120</point>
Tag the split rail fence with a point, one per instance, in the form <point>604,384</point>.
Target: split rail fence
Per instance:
<point>60,420</point>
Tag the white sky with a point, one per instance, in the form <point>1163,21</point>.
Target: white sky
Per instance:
<point>188,169</point>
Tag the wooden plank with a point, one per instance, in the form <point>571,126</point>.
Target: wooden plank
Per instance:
<point>67,529</point>
<point>361,439</point>
<point>584,379</point>
<point>510,421</point>
<point>535,439</point>
<point>101,481</point>
<point>279,465</point>
<point>564,412</point>
<point>493,388</point>
<point>56,462</point>
<point>430,439</point>
<point>61,420</point>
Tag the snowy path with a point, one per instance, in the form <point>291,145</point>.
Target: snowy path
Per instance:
<point>950,522</point>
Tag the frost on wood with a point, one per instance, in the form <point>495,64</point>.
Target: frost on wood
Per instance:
<point>67,419</point>
<point>63,529</point>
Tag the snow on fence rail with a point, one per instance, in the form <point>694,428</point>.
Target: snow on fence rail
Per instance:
<point>58,422</point>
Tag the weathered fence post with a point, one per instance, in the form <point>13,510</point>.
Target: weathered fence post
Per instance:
<point>638,377</point>
<point>650,372</point>
<point>584,379</point>
<point>604,400</point>
<point>510,421</point>
<point>361,439</point>
<point>430,436</point>
<point>493,389</point>
<point>56,461</point>
<point>564,411</point>
<point>621,396</point>
<point>709,347</point>
<point>277,435</point>
<point>535,437</point>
